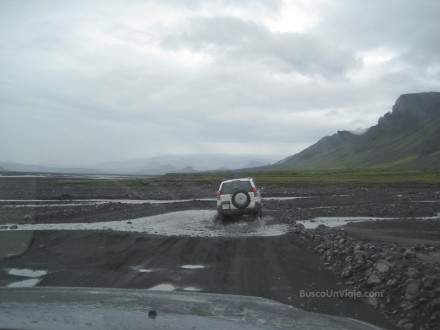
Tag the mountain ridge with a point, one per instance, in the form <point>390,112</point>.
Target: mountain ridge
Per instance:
<point>408,136</point>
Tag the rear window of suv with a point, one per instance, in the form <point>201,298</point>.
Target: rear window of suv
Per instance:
<point>231,187</point>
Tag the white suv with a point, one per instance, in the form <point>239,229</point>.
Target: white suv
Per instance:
<point>238,197</point>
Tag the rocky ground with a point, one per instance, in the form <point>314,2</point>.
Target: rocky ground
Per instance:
<point>398,257</point>
<point>406,274</point>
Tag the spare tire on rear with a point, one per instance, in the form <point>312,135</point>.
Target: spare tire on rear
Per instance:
<point>240,199</point>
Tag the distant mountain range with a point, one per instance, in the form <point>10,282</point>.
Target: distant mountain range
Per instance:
<point>186,163</point>
<point>155,165</point>
<point>408,136</point>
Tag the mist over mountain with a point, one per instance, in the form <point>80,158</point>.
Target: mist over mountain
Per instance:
<point>254,164</point>
<point>157,165</point>
<point>408,136</point>
<point>186,163</point>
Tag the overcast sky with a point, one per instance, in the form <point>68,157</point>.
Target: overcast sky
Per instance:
<point>88,81</point>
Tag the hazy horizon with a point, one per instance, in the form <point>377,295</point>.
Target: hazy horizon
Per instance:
<point>200,162</point>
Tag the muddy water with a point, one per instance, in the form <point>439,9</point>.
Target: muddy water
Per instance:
<point>24,278</point>
<point>31,203</point>
<point>202,223</point>
<point>336,221</point>
<point>341,221</point>
<point>7,203</point>
<point>193,223</point>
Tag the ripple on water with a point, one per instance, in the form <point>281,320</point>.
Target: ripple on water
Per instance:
<point>192,266</point>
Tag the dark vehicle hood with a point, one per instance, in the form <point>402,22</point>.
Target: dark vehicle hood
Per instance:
<point>98,308</point>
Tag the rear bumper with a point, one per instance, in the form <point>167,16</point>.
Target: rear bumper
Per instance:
<point>234,211</point>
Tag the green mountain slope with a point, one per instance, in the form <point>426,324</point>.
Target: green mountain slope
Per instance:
<point>409,136</point>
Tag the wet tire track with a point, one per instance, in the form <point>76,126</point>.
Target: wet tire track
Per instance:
<point>271,267</point>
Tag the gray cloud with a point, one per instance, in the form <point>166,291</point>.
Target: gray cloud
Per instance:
<point>235,40</point>
<point>408,27</point>
<point>86,82</point>
<point>255,5</point>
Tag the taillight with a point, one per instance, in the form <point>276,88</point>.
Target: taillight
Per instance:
<point>254,190</point>
<point>219,193</point>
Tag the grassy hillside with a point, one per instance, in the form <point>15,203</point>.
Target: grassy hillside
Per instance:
<point>407,137</point>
